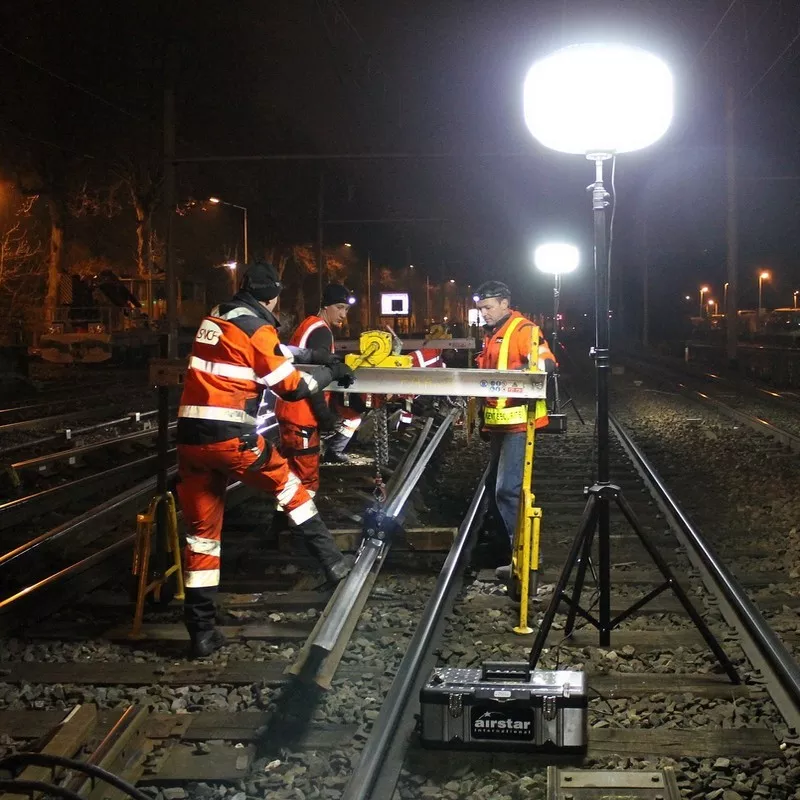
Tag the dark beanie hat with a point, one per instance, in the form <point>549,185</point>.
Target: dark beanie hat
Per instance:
<point>261,281</point>
<point>336,293</point>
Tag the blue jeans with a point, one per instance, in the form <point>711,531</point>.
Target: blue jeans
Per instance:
<point>505,476</point>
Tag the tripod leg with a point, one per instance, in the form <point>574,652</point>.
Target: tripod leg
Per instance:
<point>579,581</point>
<point>669,576</point>
<point>571,402</point>
<point>585,530</point>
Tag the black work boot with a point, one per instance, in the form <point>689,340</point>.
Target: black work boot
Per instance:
<point>204,643</point>
<point>339,571</point>
<point>320,544</point>
<point>334,453</point>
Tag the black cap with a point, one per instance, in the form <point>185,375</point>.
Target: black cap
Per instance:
<point>336,293</point>
<point>492,289</point>
<point>261,281</point>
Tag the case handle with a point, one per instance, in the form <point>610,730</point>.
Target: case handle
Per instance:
<point>505,671</point>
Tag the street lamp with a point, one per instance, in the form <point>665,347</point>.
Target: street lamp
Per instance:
<point>712,304</point>
<point>725,298</point>
<point>556,259</point>
<point>217,202</point>
<point>762,276</point>
<point>231,265</point>
<point>598,101</point>
<point>794,299</point>
<point>703,290</point>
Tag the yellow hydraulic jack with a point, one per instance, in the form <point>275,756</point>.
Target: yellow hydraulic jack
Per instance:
<point>157,586</point>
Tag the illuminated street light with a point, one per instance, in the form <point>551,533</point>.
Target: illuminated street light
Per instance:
<point>232,265</point>
<point>597,101</point>
<point>764,275</point>
<point>712,304</point>
<point>703,290</point>
<point>347,244</point>
<point>556,259</point>
<point>794,299</point>
<point>452,280</point>
<point>725,298</point>
<point>687,297</point>
<point>214,200</point>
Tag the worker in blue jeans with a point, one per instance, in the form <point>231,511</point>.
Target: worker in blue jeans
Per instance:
<point>507,346</point>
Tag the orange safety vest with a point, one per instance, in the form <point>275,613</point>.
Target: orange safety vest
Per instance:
<point>427,357</point>
<point>509,348</point>
<point>300,413</point>
<point>236,359</point>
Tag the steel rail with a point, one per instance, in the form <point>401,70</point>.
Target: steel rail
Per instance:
<point>37,422</point>
<point>747,617</point>
<point>373,550</point>
<point>757,424</point>
<point>36,599</point>
<point>21,509</point>
<point>89,519</point>
<point>40,461</point>
<point>380,762</point>
<point>404,467</point>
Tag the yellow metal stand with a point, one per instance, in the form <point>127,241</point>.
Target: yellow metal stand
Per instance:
<point>145,527</point>
<point>525,551</point>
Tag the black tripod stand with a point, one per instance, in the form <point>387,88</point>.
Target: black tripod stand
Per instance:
<point>597,512</point>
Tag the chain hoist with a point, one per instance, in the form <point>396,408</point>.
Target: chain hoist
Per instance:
<point>381,450</point>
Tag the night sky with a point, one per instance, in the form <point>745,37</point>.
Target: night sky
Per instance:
<point>435,78</point>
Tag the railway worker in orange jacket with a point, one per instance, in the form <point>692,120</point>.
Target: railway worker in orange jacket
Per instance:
<point>507,345</point>
<point>302,421</point>
<point>236,364</point>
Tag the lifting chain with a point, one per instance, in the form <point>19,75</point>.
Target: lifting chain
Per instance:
<point>381,450</point>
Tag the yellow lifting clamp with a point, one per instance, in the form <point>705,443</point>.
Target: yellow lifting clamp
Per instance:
<point>145,527</point>
<point>525,550</point>
<point>378,349</point>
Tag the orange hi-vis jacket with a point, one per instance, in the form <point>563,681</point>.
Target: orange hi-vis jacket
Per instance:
<point>427,357</point>
<point>508,346</point>
<point>312,333</point>
<point>236,360</point>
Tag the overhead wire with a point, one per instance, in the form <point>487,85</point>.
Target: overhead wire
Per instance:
<point>772,65</point>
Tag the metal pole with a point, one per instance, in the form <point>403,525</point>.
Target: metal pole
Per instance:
<point>170,201</point>
<point>645,290</point>
<point>369,289</point>
<point>732,228</point>
<point>725,298</point>
<point>427,299</point>
<point>320,242</point>
<point>556,298</point>
<point>758,313</point>
<point>246,249</point>
<point>602,367</point>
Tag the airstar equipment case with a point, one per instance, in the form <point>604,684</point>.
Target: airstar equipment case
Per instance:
<point>504,706</point>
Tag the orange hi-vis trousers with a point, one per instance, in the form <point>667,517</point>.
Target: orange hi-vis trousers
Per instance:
<point>204,471</point>
<point>300,447</point>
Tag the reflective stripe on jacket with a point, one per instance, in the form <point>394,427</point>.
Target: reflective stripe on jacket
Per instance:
<point>301,413</point>
<point>509,347</point>
<point>427,357</point>
<point>236,357</point>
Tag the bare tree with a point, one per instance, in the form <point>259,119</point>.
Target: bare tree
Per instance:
<point>20,258</point>
<point>144,183</point>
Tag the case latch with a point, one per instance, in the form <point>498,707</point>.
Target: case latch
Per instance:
<point>456,705</point>
<point>549,707</point>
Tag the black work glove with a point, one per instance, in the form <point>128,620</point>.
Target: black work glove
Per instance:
<point>342,374</point>
<point>485,435</point>
<point>322,355</point>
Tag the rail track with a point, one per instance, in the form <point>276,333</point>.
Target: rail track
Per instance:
<point>663,718</point>
<point>268,610</point>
